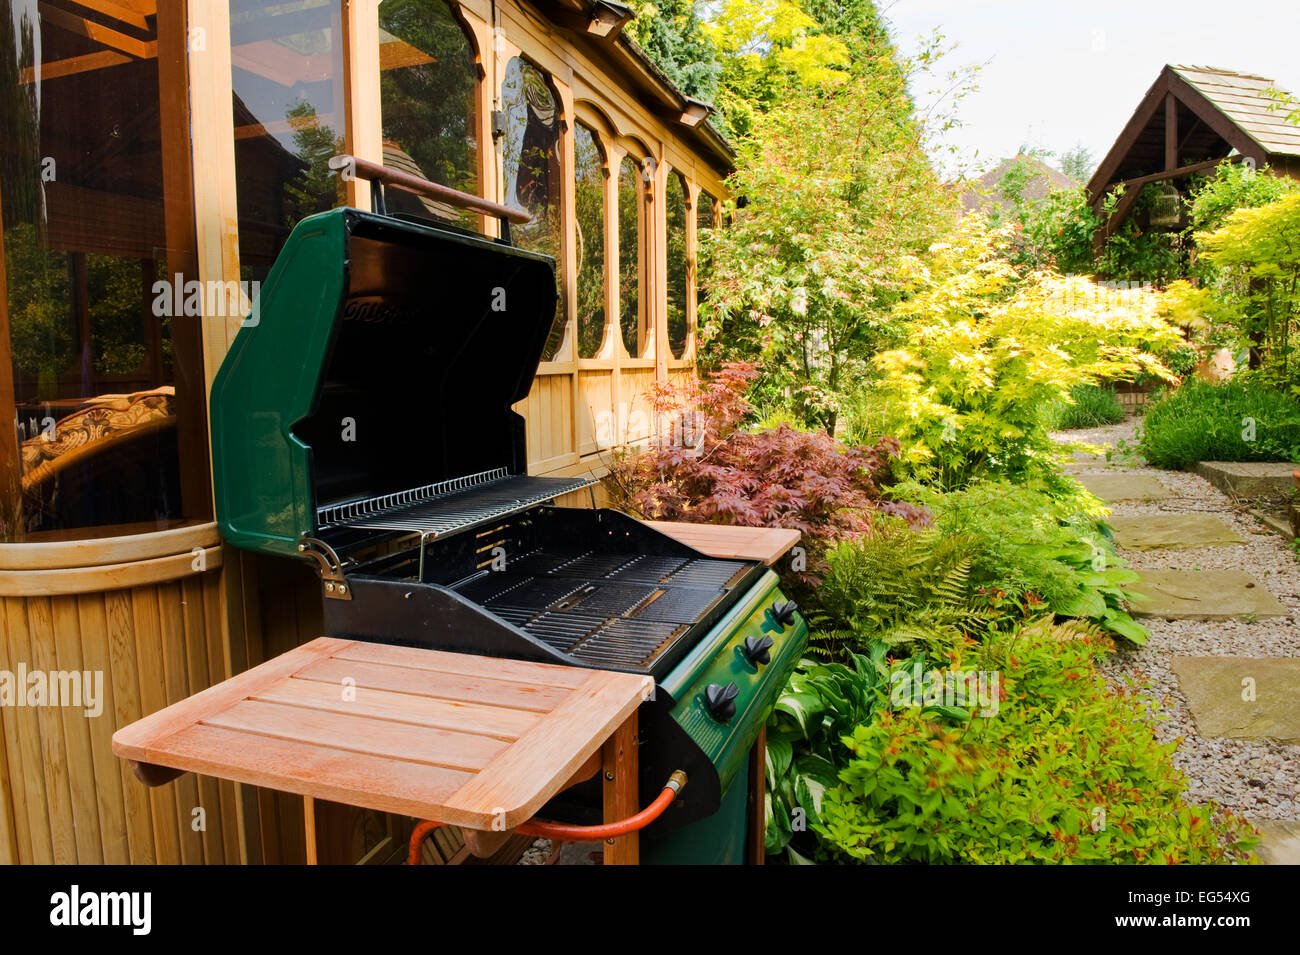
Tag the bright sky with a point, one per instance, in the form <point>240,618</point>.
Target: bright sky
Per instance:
<point>1062,73</point>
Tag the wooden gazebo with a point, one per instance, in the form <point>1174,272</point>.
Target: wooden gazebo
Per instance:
<point>1191,119</point>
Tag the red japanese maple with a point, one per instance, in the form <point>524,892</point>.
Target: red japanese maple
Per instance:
<point>710,469</point>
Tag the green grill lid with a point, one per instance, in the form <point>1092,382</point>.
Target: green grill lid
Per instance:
<point>383,355</point>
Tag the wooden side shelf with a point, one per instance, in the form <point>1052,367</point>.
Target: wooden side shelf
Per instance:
<point>766,544</point>
<point>476,742</point>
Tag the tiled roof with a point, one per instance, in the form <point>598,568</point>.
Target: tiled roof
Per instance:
<point>1241,98</point>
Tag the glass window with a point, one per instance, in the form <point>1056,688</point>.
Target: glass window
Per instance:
<point>631,257</point>
<point>532,170</point>
<point>589,238</point>
<point>429,101</point>
<point>704,213</point>
<point>675,214</point>
<point>102,387</point>
<point>287,71</point>
<point>705,206</point>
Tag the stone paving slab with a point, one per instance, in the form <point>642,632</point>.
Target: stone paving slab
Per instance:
<point>1172,531</point>
<point>1280,844</point>
<point>1284,520</point>
<point>1125,487</point>
<point>1250,479</point>
<point>1204,595</point>
<point>1242,697</point>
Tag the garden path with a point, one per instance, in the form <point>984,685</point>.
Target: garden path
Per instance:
<point>1224,654</point>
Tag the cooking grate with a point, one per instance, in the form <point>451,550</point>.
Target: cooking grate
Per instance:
<point>593,564</point>
<point>605,642</point>
<point>708,573</point>
<point>604,609</point>
<point>436,510</point>
<point>601,597</point>
<point>677,604</point>
<point>649,570</point>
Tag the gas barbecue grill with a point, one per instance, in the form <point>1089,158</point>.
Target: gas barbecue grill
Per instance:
<point>364,423</point>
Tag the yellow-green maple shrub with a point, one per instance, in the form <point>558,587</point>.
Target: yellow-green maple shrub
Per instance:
<point>989,349</point>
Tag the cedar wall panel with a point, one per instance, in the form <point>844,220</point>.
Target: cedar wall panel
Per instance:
<point>64,796</point>
<point>548,409</point>
<point>595,410</point>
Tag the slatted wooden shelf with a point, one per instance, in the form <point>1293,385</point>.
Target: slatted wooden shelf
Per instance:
<point>471,741</point>
<point>767,544</point>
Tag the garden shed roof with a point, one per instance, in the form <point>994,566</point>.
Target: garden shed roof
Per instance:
<point>1198,115</point>
<point>1192,119</point>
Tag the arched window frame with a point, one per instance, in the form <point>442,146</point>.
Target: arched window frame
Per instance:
<point>602,133</point>
<point>474,32</point>
<point>648,239</point>
<point>566,351</point>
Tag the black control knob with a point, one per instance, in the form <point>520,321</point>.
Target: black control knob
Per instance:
<point>756,649</point>
<point>783,612</point>
<point>721,700</point>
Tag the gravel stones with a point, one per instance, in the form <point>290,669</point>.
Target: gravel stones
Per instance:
<point>1217,768</point>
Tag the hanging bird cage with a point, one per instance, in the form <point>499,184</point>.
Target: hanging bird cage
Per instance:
<point>1167,208</point>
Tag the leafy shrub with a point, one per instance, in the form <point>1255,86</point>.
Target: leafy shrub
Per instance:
<point>1234,186</point>
<point>1208,422</point>
<point>1088,406</point>
<point>1137,254</point>
<point>1038,539</point>
<point>1256,254</point>
<point>821,703</point>
<point>1066,771</point>
<point>781,477</point>
<point>805,273</point>
<point>898,587</point>
<point>1058,233</point>
<point>988,350</point>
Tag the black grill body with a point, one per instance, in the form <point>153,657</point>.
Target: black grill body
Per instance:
<point>589,588</point>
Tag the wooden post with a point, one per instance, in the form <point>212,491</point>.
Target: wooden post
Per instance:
<point>619,771</point>
<point>11,494</point>
<point>1171,132</point>
<point>361,94</point>
<point>309,827</point>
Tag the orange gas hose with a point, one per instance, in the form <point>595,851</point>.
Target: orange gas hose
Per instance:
<point>418,836</point>
<point>566,833</point>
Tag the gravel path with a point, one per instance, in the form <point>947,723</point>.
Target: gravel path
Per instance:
<point>1256,777</point>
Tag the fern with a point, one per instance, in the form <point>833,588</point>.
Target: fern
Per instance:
<point>899,587</point>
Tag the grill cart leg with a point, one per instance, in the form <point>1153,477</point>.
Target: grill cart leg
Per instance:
<point>309,824</point>
<point>619,769</point>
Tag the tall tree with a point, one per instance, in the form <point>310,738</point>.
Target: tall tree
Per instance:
<point>671,32</point>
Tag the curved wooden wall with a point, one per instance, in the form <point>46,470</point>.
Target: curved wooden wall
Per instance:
<point>148,612</point>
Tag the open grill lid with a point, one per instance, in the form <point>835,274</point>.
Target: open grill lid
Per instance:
<point>373,386</point>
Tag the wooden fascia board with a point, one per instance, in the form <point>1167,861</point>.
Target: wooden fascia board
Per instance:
<point>1213,117</point>
<point>1201,107</point>
<point>1142,116</point>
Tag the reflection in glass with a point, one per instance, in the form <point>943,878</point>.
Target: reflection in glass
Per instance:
<point>589,225</point>
<point>631,255</point>
<point>675,214</point>
<point>101,387</point>
<point>287,72</point>
<point>704,218</point>
<point>428,89</point>
<point>532,170</point>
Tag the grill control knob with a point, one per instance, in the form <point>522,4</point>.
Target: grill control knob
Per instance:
<point>756,649</point>
<point>721,700</point>
<point>783,612</point>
